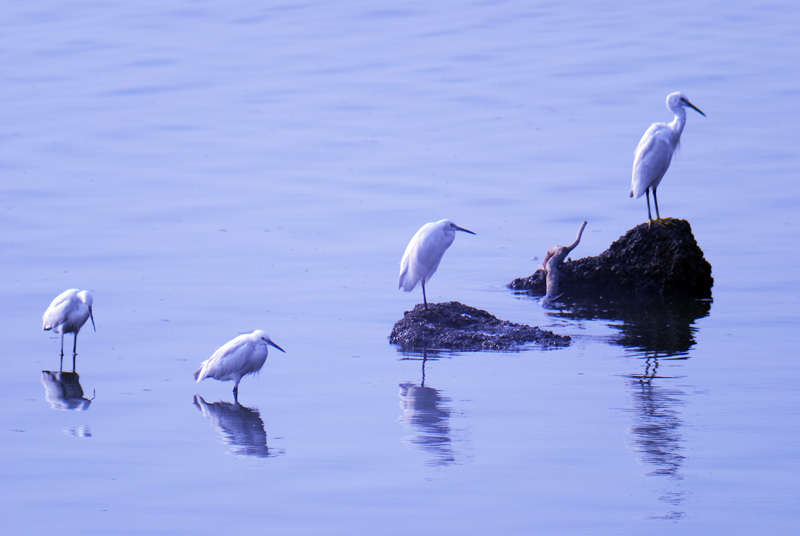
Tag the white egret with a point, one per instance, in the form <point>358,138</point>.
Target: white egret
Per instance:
<point>656,148</point>
<point>424,253</point>
<point>67,314</point>
<point>244,355</point>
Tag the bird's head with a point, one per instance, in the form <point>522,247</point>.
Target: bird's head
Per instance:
<point>449,226</point>
<point>262,335</point>
<point>678,99</point>
<point>86,297</point>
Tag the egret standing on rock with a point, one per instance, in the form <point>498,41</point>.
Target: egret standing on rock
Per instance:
<point>655,150</point>
<point>424,253</point>
<point>67,314</point>
<point>244,355</point>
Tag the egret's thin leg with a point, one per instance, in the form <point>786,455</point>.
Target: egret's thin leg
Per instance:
<point>424,298</point>
<point>647,193</point>
<point>62,344</point>
<point>73,362</point>
<point>236,392</point>
<point>655,199</point>
<point>61,366</point>
<point>75,344</point>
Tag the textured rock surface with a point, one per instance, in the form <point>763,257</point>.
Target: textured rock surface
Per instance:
<point>658,260</point>
<point>455,326</point>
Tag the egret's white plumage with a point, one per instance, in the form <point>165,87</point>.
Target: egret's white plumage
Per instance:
<point>654,152</point>
<point>67,314</point>
<point>244,355</point>
<point>424,253</point>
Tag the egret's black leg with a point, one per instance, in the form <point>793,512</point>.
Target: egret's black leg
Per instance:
<point>658,216</point>
<point>655,199</point>
<point>424,298</point>
<point>74,350</point>
<point>236,393</point>
<point>61,366</point>
<point>647,193</point>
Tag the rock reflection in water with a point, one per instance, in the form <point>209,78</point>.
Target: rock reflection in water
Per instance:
<point>426,415</point>
<point>239,426</point>
<point>63,390</point>
<point>659,331</point>
<point>652,328</point>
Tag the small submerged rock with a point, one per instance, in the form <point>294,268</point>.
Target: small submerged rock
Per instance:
<point>658,260</point>
<point>459,327</point>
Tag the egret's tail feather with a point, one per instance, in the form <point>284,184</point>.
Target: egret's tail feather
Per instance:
<point>407,281</point>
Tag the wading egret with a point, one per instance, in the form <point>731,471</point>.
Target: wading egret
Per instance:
<point>424,253</point>
<point>655,150</point>
<point>244,355</point>
<point>67,314</point>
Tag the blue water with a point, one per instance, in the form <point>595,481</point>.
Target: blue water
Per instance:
<point>210,168</point>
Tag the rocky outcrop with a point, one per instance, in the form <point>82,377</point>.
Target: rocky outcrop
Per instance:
<point>457,327</point>
<point>658,260</point>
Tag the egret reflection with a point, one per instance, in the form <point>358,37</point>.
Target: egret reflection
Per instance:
<point>79,431</point>
<point>656,436</point>
<point>239,426</point>
<point>63,390</point>
<point>660,332</point>
<point>426,416</point>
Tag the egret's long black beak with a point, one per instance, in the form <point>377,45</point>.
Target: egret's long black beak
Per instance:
<point>457,228</point>
<point>275,346</point>
<point>92,317</point>
<point>695,108</point>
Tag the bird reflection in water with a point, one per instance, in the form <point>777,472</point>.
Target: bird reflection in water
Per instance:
<point>63,390</point>
<point>660,332</point>
<point>426,414</point>
<point>656,436</point>
<point>239,426</point>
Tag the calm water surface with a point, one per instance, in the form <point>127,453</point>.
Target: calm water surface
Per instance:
<point>210,168</point>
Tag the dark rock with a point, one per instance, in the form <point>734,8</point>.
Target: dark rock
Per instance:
<point>458,327</point>
<point>650,260</point>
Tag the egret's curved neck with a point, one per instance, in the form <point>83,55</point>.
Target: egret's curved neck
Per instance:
<point>679,122</point>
